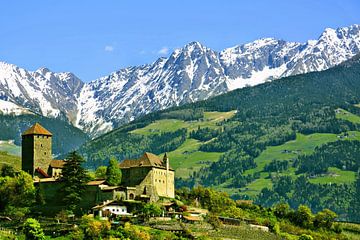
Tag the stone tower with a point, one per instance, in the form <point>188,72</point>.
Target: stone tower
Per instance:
<point>36,152</point>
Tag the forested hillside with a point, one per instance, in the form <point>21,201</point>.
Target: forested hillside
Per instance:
<point>305,111</point>
<point>65,136</point>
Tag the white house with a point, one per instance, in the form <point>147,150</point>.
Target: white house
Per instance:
<point>110,208</point>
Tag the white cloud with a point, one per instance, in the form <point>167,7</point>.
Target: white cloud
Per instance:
<point>109,48</point>
<point>163,51</point>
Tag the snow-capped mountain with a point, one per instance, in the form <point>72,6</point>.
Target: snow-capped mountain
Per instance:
<point>189,74</point>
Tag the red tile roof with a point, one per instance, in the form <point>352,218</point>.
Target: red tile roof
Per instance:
<point>42,172</point>
<point>37,129</point>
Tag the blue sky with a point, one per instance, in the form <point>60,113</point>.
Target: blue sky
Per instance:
<point>94,38</point>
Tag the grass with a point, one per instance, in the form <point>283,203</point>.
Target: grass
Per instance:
<point>168,125</point>
<point>12,160</point>
<point>348,116</point>
<point>335,175</point>
<point>10,147</point>
<point>187,158</point>
<point>303,144</point>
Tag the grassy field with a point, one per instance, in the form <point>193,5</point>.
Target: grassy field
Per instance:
<point>168,125</point>
<point>12,160</point>
<point>335,175</point>
<point>303,144</point>
<point>187,158</point>
<point>10,147</point>
<point>348,116</point>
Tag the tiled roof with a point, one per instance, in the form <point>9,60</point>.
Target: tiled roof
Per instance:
<point>57,163</point>
<point>42,172</point>
<point>146,160</point>
<point>95,182</point>
<point>37,129</point>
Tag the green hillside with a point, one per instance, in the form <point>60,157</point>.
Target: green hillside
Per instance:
<point>66,137</point>
<point>269,143</point>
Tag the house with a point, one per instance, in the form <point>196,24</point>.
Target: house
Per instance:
<point>36,153</point>
<point>148,177</point>
<point>110,208</point>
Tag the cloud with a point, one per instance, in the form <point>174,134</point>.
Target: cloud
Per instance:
<point>163,51</point>
<point>109,48</point>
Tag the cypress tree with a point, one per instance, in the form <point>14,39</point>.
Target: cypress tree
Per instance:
<point>74,178</point>
<point>113,173</point>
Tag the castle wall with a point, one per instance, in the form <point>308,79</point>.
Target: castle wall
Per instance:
<point>163,181</point>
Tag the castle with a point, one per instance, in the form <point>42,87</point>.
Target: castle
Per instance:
<point>146,178</point>
<point>36,153</point>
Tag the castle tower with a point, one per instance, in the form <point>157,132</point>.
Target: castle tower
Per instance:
<point>167,165</point>
<point>36,152</point>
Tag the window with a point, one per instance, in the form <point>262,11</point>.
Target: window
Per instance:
<point>44,153</point>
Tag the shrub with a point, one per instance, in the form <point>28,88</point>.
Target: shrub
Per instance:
<point>303,216</point>
<point>305,237</point>
<point>33,230</point>
<point>324,219</point>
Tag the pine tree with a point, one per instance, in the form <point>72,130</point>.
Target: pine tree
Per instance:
<point>113,173</point>
<point>74,178</point>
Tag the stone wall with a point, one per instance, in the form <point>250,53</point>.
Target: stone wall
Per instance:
<point>42,152</point>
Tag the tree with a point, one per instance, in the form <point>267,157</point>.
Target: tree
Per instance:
<point>39,194</point>
<point>17,191</point>
<point>7,170</point>
<point>100,172</point>
<point>150,209</point>
<point>303,216</point>
<point>113,173</point>
<point>74,178</point>
<point>33,230</point>
<point>282,210</point>
<point>325,219</point>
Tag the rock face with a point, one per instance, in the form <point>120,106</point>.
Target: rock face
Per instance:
<point>189,74</point>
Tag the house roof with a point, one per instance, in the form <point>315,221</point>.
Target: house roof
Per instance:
<point>146,160</point>
<point>95,182</point>
<point>37,129</point>
<point>57,163</point>
<point>42,172</point>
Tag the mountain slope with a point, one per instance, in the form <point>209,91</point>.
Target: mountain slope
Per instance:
<point>189,74</point>
<point>302,109</point>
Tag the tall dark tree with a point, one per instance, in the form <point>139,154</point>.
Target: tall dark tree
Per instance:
<point>113,173</point>
<point>355,204</point>
<point>74,178</point>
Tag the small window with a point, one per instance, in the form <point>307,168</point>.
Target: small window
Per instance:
<point>44,153</point>
<point>41,145</point>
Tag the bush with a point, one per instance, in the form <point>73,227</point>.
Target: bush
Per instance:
<point>303,217</point>
<point>33,230</point>
<point>94,229</point>
<point>282,210</point>
<point>305,237</point>
<point>324,219</point>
